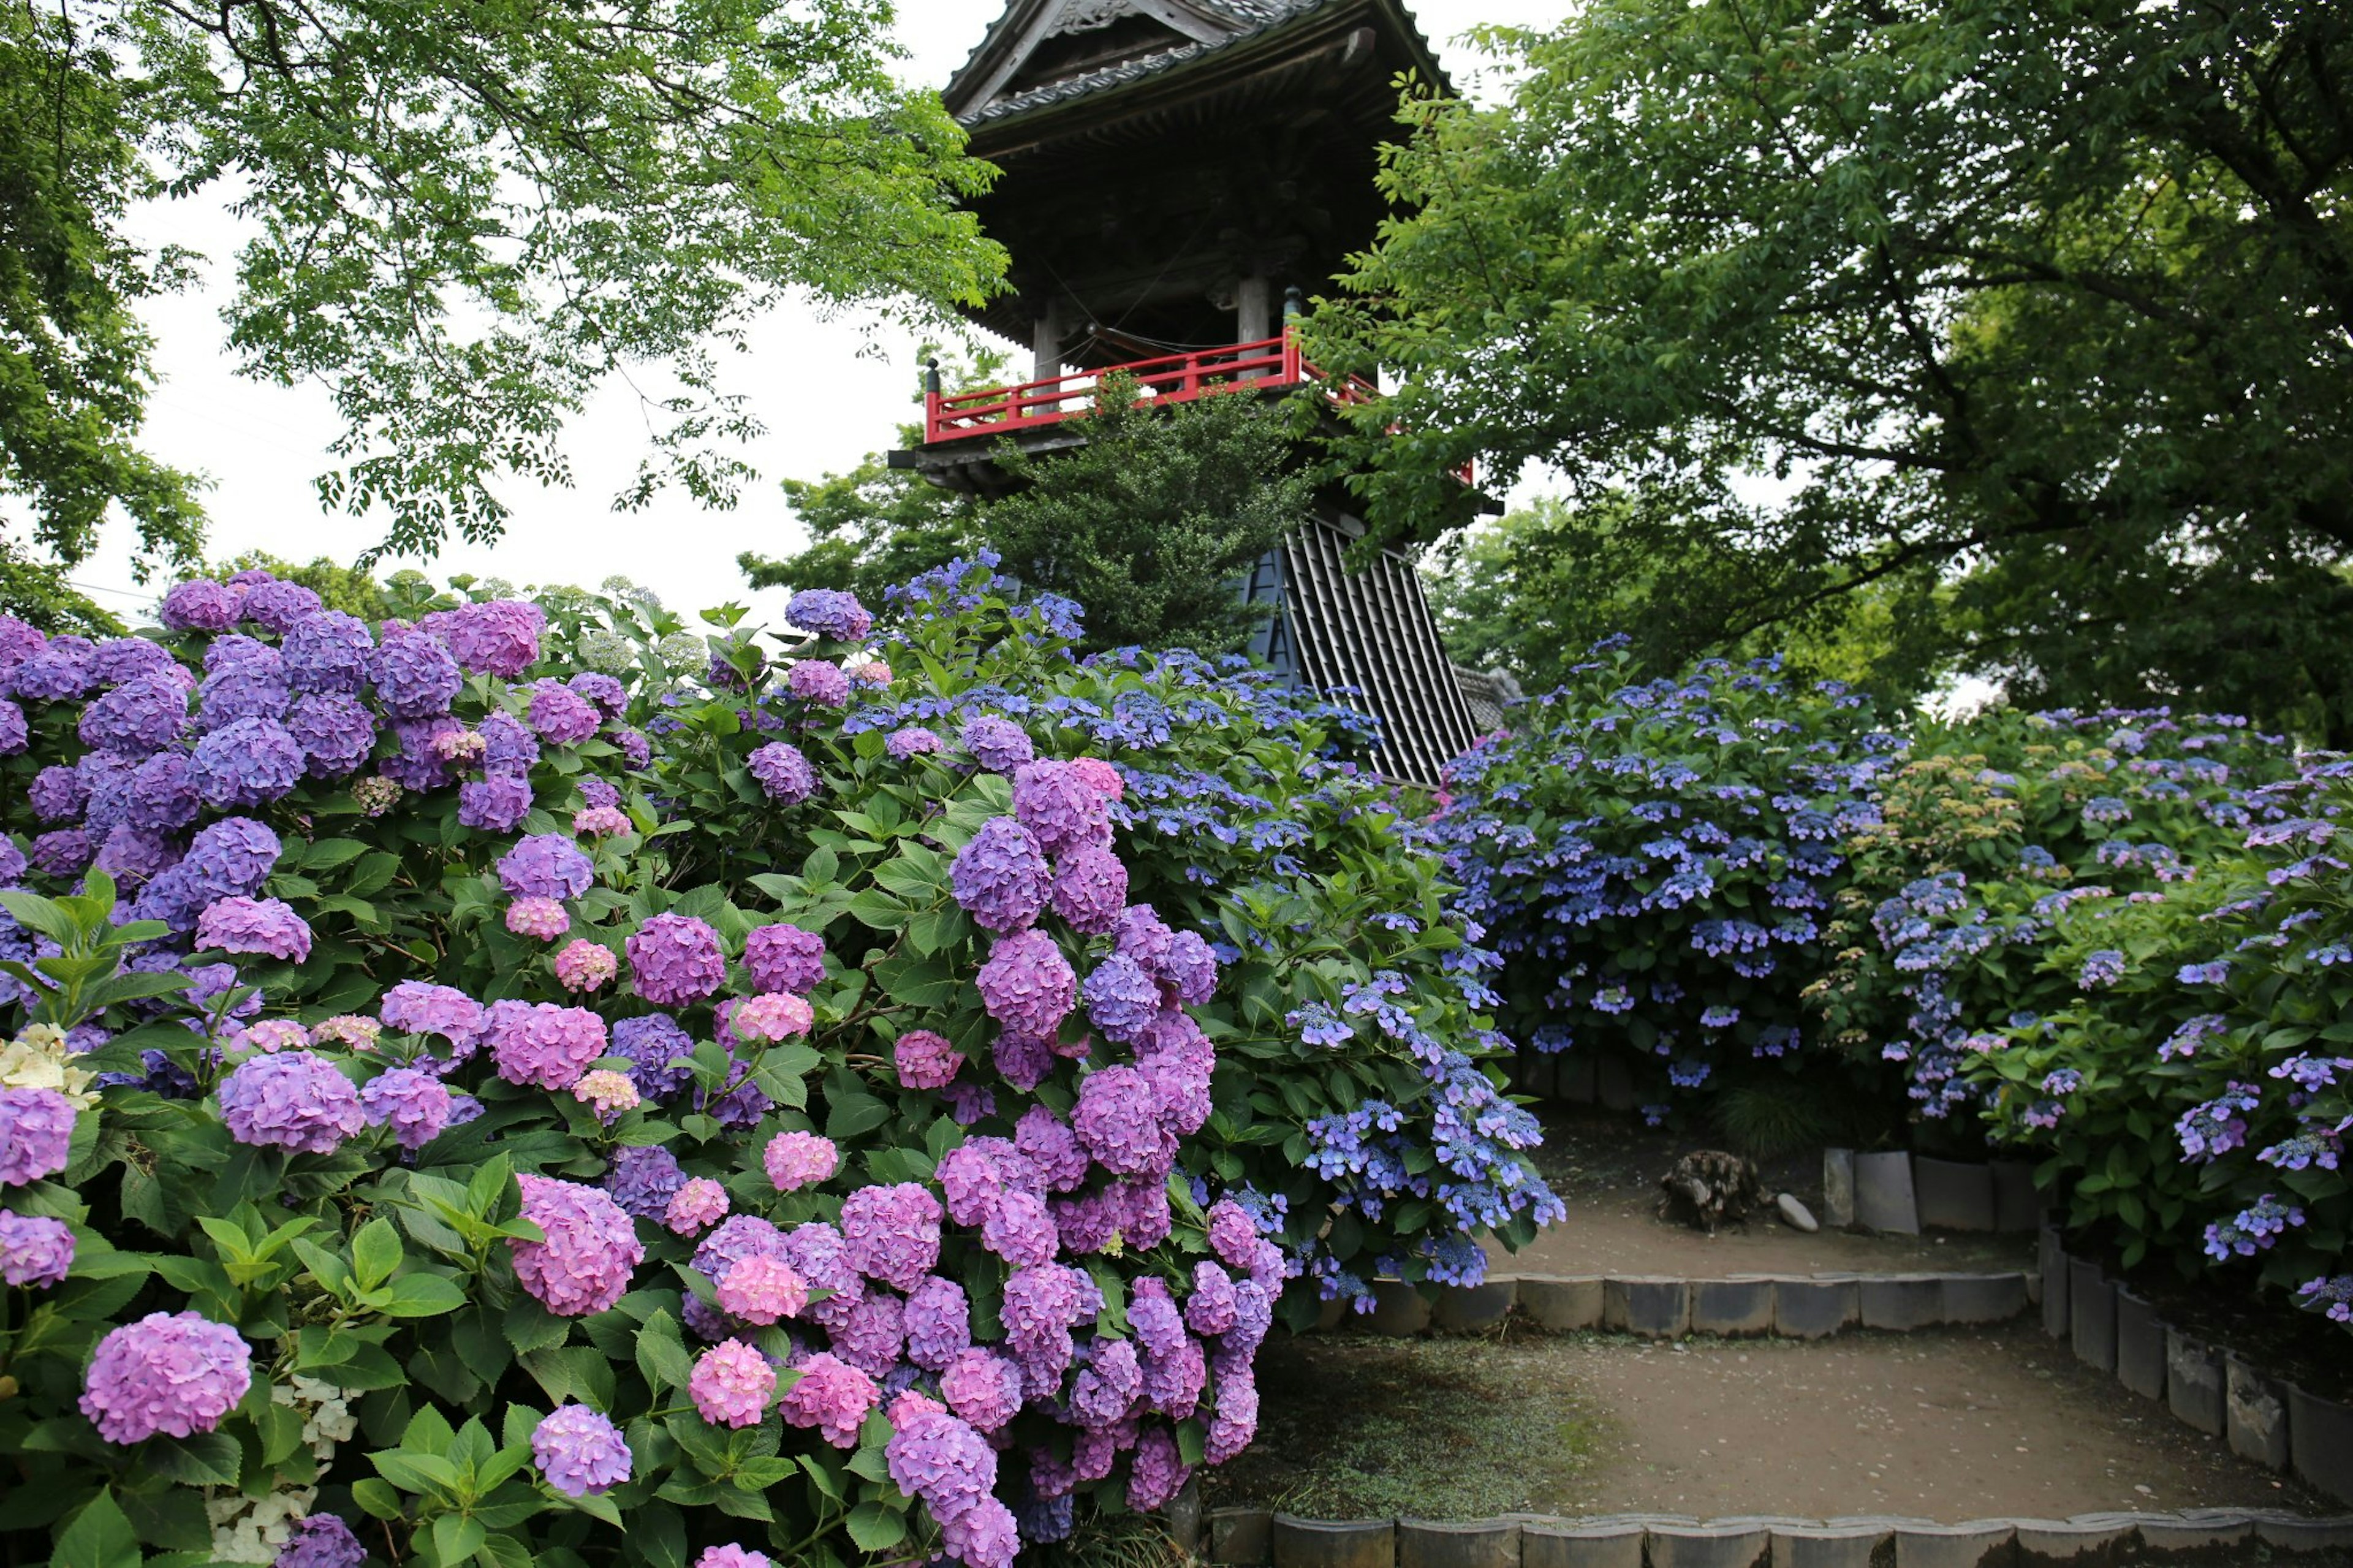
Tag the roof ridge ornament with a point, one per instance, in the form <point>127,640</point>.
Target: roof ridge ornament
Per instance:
<point>1087,15</point>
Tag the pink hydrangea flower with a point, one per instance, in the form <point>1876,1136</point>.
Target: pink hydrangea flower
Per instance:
<point>585,965</point>
<point>771,1018</point>
<point>981,1387</point>
<point>698,1205</point>
<point>732,1557</point>
<point>544,1044</point>
<point>272,1035</point>
<point>868,672</point>
<point>348,1030</point>
<point>602,822</point>
<point>541,918</point>
<point>584,1263</point>
<point>762,1290</point>
<point>925,1059</point>
<point>1100,776</point>
<point>833,1396</point>
<point>170,1372</point>
<point>797,1160</point>
<point>256,926</point>
<point>731,1384</point>
<point>609,1092</point>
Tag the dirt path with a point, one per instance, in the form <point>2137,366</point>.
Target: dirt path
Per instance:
<point>1607,1169</point>
<point>1947,1424</point>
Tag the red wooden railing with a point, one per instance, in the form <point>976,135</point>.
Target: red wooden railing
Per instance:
<point>1266,365</point>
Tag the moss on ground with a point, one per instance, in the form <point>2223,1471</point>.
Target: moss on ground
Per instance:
<point>1353,1426</point>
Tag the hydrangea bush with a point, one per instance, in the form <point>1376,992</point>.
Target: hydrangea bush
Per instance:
<point>1657,861</point>
<point>528,1083</point>
<point>2191,1092</point>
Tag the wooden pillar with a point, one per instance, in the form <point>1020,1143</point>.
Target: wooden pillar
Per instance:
<point>1046,343</point>
<point>1253,308</point>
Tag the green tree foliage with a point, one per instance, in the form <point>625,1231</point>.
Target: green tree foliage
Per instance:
<point>1150,524</point>
<point>73,353</point>
<point>464,220</point>
<point>2049,308</point>
<point>339,587</point>
<point>1153,521</point>
<point>1534,590</point>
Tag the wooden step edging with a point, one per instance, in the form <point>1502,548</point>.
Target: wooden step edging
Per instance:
<point>1789,1306</point>
<point>1257,1538</point>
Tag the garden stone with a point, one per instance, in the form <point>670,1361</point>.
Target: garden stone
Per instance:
<point>2193,1382</point>
<point>1953,1196</point>
<point>1815,1309</point>
<point>1333,1544</point>
<point>2017,1206</point>
<point>1718,1546</point>
<point>1465,1308</point>
<point>2140,1346</point>
<point>2218,1539</point>
<point>2290,1534</point>
<point>1561,1305</point>
<point>1883,1194</point>
<point>2044,1542</point>
<point>1398,1310</point>
<point>1795,1215</point>
<point>1589,1544</point>
<point>1901,1301</point>
<point>1615,1085</point>
<point>1838,1188</point>
<point>1184,1516</point>
<point>1479,1543</point>
<point>1984,1297</point>
<point>2320,1439</point>
<point>1976,1543</point>
<point>1241,1536</point>
<point>1574,1079</point>
<point>1653,1308</point>
<point>2092,1315</point>
<point>2052,1265</point>
<point>2254,1416</point>
<point>1534,1072</point>
<point>1732,1306</point>
<point>1833,1545</point>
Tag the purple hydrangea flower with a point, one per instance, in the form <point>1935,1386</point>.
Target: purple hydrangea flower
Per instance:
<point>938,1458</point>
<point>58,672</point>
<point>829,613</point>
<point>163,795</point>
<point>938,1323</point>
<point>985,1535</point>
<point>137,717</point>
<point>545,865</point>
<point>418,765</point>
<point>584,1266</point>
<point>611,698</point>
<point>36,1131</point>
<point>328,652</point>
<point>414,676</point>
<point>818,681</point>
<point>493,805</point>
<point>676,959</point>
<point>255,689</point>
<point>336,733</point>
<point>1117,1118</point>
<point>1052,1149</point>
<point>910,742</point>
<point>579,1451</point>
<point>1054,801</point>
<point>130,855</point>
<point>510,750</point>
<point>1000,877</point>
<point>1027,984</point>
<point>294,1099</point>
<point>925,1059</point>
<point>35,1250</point>
<point>651,1044</point>
<point>643,1179</point>
<point>561,715</point>
<point>320,1541</point>
<point>893,1233</point>
<point>417,1007</point>
<point>64,854</point>
<point>1158,1474</point>
<point>201,604</point>
<point>997,745</point>
<point>279,605</point>
<point>170,1372</point>
<point>782,773</point>
<point>415,1105</point>
<point>251,761</point>
<point>784,958</point>
<point>121,659</point>
<point>15,734</point>
<point>983,1388</point>
<point>1090,889</point>
<point>57,793</point>
<point>1122,1001</point>
<point>238,924</point>
<point>744,1235</point>
<point>497,637</point>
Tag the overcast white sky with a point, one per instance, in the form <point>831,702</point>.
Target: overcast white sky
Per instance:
<point>262,445</point>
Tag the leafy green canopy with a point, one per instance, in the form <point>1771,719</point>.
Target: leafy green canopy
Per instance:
<point>465,218</point>
<point>1151,523</point>
<point>2043,308</point>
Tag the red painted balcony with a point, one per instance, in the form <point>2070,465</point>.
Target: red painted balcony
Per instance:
<point>1269,365</point>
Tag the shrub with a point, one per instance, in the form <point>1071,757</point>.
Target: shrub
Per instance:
<point>549,1050</point>
<point>1655,862</point>
<point>2190,1088</point>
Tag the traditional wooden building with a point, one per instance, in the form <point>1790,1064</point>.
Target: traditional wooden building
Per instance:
<point>1177,175</point>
